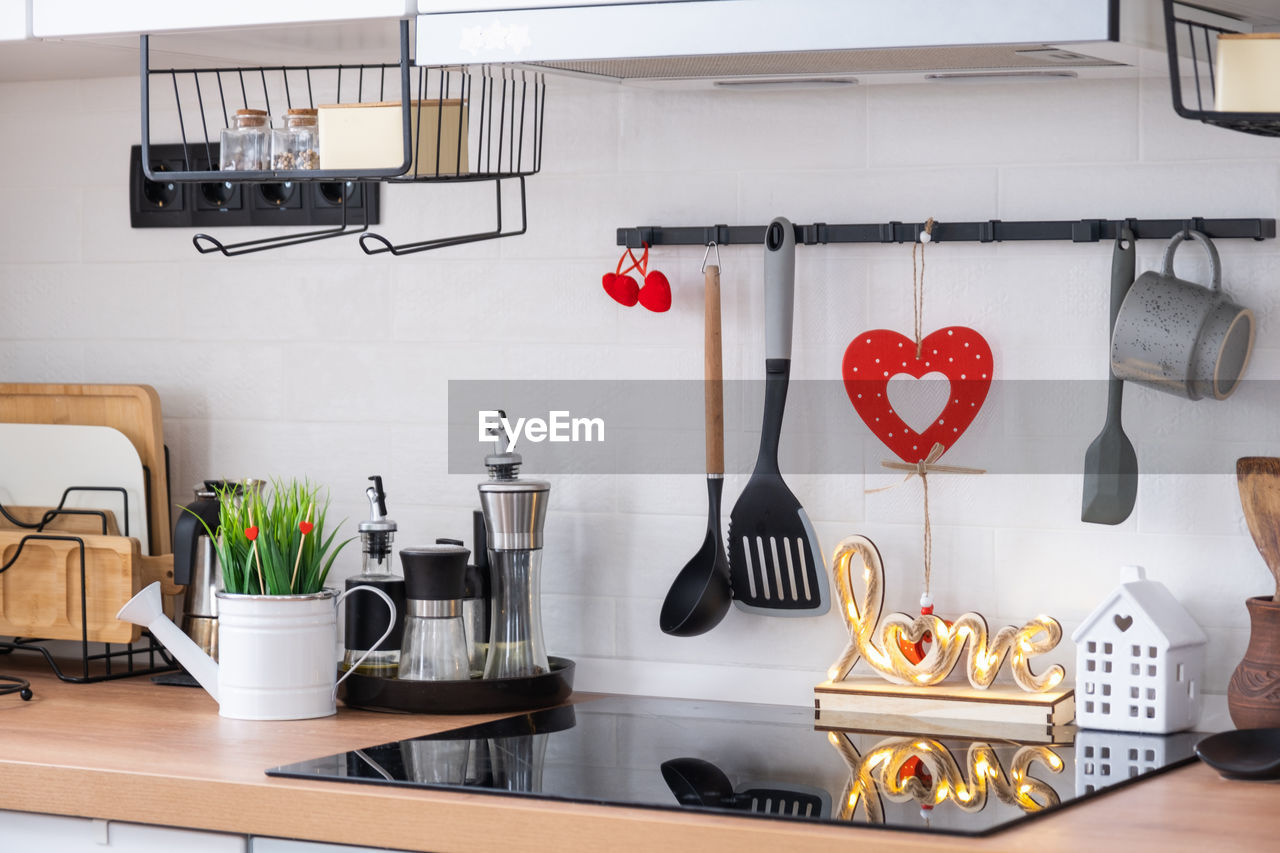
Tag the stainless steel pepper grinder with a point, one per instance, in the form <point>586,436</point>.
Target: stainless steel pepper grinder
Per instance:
<point>514,513</point>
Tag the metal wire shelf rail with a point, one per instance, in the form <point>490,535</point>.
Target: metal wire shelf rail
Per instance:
<point>458,125</point>
<point>1200,41</point>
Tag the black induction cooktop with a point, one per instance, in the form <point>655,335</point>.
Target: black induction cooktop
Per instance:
<point>761,761</point>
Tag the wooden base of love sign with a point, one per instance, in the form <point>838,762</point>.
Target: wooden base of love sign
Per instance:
<point>953,710</point>
<point>892,647</point>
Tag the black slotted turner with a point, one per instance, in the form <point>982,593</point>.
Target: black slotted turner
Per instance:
<point>775,562</point>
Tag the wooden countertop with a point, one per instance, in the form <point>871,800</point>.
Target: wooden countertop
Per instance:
<point>132,751</point>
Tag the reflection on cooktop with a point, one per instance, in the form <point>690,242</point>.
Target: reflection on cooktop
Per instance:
<point>759,760</point>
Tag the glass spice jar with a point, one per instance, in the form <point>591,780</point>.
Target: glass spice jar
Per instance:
<point>297,144</point>
<point>244,144</point>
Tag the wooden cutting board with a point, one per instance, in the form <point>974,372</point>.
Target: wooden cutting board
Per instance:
<point>132,409</point>
<point>61,523</point>
<point>39,461</point>
<point>40,592</point>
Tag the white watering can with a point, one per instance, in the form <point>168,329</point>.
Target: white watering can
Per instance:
<point>277,653</point>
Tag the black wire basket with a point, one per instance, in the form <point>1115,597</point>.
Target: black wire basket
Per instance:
<point>1192,46</point>
<point>457,124</point>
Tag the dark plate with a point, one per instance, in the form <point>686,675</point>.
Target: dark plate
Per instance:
<point>1243,753</point>
<point>474,696</point>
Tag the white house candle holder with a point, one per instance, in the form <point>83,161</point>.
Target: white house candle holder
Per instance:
<point>1139,661</point>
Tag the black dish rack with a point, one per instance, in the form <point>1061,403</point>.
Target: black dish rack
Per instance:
<point>497,137</point>
<point>125,660</point>
<point>1199,40</point>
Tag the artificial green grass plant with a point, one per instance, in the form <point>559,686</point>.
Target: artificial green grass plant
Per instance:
<point>275,546</point>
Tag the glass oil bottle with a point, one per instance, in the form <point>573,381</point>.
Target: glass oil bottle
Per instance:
<point>366,617</point>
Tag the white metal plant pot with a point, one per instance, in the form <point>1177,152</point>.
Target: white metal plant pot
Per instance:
<point>277,653</point>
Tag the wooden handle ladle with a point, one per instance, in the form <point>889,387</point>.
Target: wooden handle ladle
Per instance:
<point>700,595</point>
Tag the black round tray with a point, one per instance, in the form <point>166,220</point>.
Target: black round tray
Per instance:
<point>473,696</point>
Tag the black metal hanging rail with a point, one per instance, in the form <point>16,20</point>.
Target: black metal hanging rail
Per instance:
<point>207,243</point>
<point>991,231</point>
<point>376,244</point>
<point>1201,41</point>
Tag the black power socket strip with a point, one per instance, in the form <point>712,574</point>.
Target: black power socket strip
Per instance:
<point>157,204</point>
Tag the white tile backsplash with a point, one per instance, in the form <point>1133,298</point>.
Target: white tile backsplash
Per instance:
<point>740,132</point>
<point>1076,121</point>
<point>1137,189</point>
<point>44,225</point>
<point>324,362</point>
<point>871,195</point>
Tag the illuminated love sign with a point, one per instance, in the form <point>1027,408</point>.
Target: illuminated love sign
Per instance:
<point>884,644</point>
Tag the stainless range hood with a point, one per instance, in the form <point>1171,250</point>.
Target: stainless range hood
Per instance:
<point>672,40</point>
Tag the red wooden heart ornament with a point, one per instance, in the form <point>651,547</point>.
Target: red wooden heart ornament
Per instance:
<point>957,352</point>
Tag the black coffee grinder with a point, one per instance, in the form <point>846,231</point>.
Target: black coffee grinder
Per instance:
<point>476,595</point>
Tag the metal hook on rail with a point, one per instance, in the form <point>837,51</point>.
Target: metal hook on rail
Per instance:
<point>710,245</point>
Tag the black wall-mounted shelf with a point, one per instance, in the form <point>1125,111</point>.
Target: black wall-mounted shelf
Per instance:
<point>495,137</point>
<point>1201,41</point>
<point>991,231</point>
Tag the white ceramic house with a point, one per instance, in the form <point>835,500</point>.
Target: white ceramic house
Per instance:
<point>1139,661</point>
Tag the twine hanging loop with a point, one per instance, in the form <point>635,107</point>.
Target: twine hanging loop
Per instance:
<point>917,284</point>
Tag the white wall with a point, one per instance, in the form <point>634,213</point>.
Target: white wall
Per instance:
<point>321,361</point>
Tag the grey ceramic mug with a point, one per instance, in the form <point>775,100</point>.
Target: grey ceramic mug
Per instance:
<point>1181,337</point>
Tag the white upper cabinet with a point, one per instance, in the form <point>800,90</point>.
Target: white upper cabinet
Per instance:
<point>14,21</point>
<point>61,18</point>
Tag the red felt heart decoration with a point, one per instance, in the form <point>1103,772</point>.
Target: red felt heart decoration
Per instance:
<point>957,352</point>
<point>622,288</point>
<point>656,293</point>
<point>251,533</point>
<point>306,527</point>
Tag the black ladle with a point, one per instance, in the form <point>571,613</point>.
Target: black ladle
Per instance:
<point>700,595</point>
<point>698,783</point>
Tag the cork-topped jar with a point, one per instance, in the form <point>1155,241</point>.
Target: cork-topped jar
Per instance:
<point>245,144</point>
<point>296,145</point>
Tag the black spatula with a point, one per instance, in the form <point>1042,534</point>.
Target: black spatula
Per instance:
<point>1110,463</point>
<point>775,562</point>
